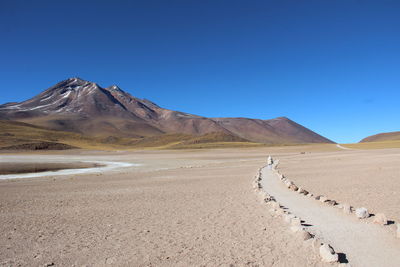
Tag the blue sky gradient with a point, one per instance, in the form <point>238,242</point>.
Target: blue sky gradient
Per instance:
<point>332,66</point>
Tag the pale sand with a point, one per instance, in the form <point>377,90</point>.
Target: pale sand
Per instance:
<point>369,178</point>
<point>179,208</point>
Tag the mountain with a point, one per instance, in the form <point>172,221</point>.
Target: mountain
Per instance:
<point>391,136</point>
<point>80,106</point>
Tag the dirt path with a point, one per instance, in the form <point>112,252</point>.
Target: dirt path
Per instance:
<point>363,244</point>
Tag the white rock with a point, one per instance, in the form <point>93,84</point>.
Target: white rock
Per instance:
<point>293,187</point>
<point>270,161</point>
<point>362,213</point>
<point>346,208</point>
<point>398,230</point>
<point>310,195</point>
<point>301,190</point>
<point>288,183</point>
<point>295,222</point>
<point>275,205</point>
<point>316,244</point>
<point>323,199</point>
<point>280,211</point>
<point>328,254</point>
<point>380,218</point>
<point>331,202</point>
<point>288,218</point>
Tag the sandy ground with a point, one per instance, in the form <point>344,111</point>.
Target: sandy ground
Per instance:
<point>369,178</point>
<point>179,208</point>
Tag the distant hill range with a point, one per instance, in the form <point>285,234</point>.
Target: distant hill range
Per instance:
<point>391,136</point>
<point>83,107</point>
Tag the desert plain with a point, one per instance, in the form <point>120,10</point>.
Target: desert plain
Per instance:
<point>182,207</point>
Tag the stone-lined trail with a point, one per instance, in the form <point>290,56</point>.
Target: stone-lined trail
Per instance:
<point>364,243</point>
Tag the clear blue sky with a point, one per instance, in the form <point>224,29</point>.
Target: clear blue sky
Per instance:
<point>333,66</point>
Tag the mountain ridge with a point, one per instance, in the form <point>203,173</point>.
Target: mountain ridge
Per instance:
<point>84,107</point>
<point>381,137</point>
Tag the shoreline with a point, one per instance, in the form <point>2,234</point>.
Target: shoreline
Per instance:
<point>104,166</point>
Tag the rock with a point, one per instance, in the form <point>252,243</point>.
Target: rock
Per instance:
<point>305,235</point>
<point>398,230</point>
<point>302,191</point>
<point>316,244</point>
<point>293,187</point>
<point>288,183</point>
<point>270,161</point>
<point>318,197</point>
<point>275,205</point>
<point>380,218</point>
<point>323,199</point>
<point>362,213</point>
<point>268,199</point>
<point>328,254</point>
<point>346,208</point>
<point>295,222</point>
<point>276,163</point>
<point>310,195</point>
<point>280,211</point>
<point>288,218</point>
<point>331,202</point>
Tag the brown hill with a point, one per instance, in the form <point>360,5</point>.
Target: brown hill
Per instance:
<point>391,136</point>
<point>22,136</point>
<point>79,106</point>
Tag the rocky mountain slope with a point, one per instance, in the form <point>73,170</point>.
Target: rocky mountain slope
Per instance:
<point>80,106</point>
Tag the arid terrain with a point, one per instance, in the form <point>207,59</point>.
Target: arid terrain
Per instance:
<point>181,208</point>
<point>363,178</point>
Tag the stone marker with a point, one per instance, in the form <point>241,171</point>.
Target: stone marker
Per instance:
<point>380,218</point>
<point>305,235</point>
<point>302,191</point>
<point>323,199</point>
<point>288,183</point>
<point>288,218</point>
<point>362,213</point>
<point>293,187</point>
<point>280,211</point>
<point>295,222</point>
<point>328,254</point>
<point>316,244</point>
<point>346,208</point>
<point>270,161</point>
<point>331,202</point>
